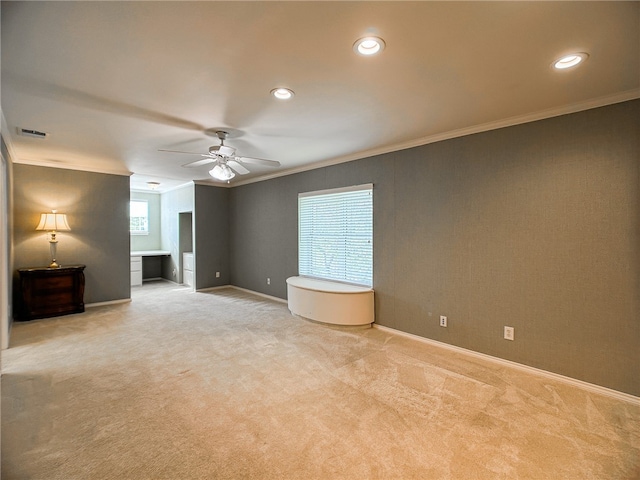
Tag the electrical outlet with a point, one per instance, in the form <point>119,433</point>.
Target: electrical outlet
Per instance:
<point>443,321</point>
<point>217,274</point>
<point>508,333</point>
<point>268,281</point>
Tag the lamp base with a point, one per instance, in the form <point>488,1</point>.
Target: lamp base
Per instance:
<point>52,247</point>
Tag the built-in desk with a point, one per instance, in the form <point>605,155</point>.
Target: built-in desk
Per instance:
<point>137,263</point>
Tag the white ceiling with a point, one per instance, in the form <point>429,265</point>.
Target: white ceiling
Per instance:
<point>113,82</point>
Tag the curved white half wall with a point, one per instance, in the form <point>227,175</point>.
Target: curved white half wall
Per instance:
<point>330,302</point>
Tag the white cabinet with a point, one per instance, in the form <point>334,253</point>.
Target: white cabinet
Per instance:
<point>136,271</point>
<point>187,269</point>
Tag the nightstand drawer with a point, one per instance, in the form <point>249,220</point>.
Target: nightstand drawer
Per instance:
<point>52,283</point>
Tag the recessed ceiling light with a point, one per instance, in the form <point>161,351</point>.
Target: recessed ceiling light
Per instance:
<point>282,93</point>
<point>369,46</point>
<point>570,60</point>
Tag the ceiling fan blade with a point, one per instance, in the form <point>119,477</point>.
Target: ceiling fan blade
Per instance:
<point>237,167</point>
<point>188,153</point>
<point>258,161</point>
<point>197,163</point>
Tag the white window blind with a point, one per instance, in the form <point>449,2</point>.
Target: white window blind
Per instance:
<point>335,234</point>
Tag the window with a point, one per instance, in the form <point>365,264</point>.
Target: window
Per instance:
<point>138,217</point>
<point>335,234</point>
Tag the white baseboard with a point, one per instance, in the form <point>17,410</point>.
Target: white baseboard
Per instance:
<point>275,299</point>
<point>110,302</point>
<point>270,297</point>
<point>153,279</point>
<point>590,387</point>
<point>211,289</point>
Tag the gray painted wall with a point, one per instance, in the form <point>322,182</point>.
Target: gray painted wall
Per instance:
<point>535,226</point>
<point>6,247</point>
<point>211,242</point>
<point>153,240</point>
<point>172,203</point>
<point>209,207</point>
<point>97,208</point>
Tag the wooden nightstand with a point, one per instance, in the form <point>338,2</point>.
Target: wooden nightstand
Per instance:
<point>49,292</point>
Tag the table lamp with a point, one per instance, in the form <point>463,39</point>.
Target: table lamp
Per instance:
<point>52,223</point>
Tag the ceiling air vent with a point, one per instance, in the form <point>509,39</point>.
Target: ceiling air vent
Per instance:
<point>28,132</point>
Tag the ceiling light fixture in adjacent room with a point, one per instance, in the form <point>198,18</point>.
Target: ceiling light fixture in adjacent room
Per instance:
<point>282,93</point>
<point>368,46</point>
<point>153,185</point>
<point>570,60</point>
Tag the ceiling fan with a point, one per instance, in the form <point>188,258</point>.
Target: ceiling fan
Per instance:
<point>227,163</point>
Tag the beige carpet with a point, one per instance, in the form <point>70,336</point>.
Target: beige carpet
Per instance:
<point>227,385</point>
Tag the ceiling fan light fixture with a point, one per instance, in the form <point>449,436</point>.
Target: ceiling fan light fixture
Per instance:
<point>571,60</point>
<point>368,46</point>
<point>222,172</point>
<point>282,93</point>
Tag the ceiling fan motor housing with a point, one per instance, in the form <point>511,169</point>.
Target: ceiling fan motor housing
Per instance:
<point>222,150</point>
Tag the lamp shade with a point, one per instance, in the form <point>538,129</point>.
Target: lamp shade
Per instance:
<point>53,222</point>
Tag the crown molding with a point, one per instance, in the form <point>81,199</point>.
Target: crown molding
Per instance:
<point>218,184</point>
<point>462,132</point>
<point>44,163</point>
<point>81,168</point>
<point>189,183</point>
<point>484,127</point>
<point>7,138</point>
